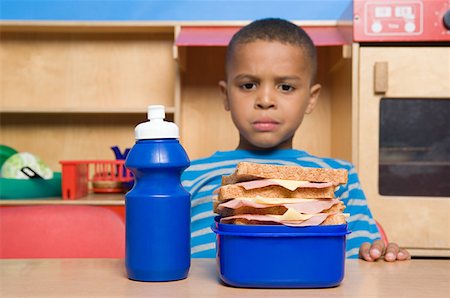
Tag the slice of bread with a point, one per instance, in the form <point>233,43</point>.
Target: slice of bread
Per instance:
<point>335,219</point>
<point>246,171</point>
<point>232,191</point>
<point>274,210</point>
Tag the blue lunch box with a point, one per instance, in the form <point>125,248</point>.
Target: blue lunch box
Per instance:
<point>277,256</point>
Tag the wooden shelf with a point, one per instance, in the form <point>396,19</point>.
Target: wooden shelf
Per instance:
<point>91,199</point>
<point>141,110</point>
<point>86,26</point>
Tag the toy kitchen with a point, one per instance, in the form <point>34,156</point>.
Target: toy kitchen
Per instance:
<point>402,117</point>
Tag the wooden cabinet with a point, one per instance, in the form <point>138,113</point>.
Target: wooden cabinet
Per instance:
<point>418,222</point>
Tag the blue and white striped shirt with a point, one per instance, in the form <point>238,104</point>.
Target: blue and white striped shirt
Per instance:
<point>205,175</point>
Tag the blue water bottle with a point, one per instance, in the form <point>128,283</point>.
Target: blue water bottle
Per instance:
<point>157,208</point>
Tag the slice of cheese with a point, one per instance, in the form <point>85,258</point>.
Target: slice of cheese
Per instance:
<point>292,214</point>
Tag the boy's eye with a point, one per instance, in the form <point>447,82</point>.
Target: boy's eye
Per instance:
<point>248,86</point>
<point>286,87</point>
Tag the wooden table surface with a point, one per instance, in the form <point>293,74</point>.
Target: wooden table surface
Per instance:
<point>107,278</point>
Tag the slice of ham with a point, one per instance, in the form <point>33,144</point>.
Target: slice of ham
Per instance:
<point>313,206</point>
<point>308,206</point>
<point>315,220</point>
<point>288,184</point>
<point>236,203</point>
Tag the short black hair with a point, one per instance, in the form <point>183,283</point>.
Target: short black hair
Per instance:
<point>274,29</point>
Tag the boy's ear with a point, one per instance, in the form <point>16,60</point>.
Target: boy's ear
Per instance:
<point>314,92</point>
<point>224,93</point>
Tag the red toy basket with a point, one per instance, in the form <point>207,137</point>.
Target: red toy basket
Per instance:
<point>79,177</point>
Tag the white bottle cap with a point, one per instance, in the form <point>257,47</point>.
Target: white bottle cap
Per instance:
<point>156,127</point>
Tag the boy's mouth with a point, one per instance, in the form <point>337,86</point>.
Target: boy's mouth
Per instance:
<point>265,125</point>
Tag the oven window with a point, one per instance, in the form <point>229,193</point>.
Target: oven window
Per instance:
<point>414,147</point>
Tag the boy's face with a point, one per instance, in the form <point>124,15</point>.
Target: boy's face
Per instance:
<point>268,91</point>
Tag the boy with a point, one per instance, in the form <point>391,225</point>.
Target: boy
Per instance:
<point>270,72</point>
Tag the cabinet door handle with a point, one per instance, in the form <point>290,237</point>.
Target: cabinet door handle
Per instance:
<point>381,77</point>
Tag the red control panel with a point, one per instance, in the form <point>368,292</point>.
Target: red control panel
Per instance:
<point>401,20</point>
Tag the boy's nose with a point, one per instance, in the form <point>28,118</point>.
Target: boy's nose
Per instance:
<point>265,99</point>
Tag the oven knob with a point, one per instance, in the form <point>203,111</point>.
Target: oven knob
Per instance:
<point>447,20</point>
<point>410,27</point>
<point>376,27</point>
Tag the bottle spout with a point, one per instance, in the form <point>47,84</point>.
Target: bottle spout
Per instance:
<point>156,127</point>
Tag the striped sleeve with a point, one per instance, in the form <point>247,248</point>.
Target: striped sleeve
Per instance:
<point>201,179</point>
<point>361,222</point>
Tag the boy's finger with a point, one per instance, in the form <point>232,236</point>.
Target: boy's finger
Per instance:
<point>364,252</point>
<point>391,252</point>
<point>377,249</point>
<point>403,254</point>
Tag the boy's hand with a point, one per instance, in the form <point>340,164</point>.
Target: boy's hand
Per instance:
<point>372,252</point>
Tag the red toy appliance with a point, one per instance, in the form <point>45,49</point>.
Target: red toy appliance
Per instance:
<point>401,20</point>
<point>100,176</point>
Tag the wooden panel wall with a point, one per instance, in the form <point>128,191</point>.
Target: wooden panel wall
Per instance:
<point>340,82</point>
<point>94,71</point>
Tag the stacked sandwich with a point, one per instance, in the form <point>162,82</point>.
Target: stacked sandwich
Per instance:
<point>287,195</point>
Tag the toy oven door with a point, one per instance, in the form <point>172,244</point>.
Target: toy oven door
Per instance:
<point>402,147</point>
